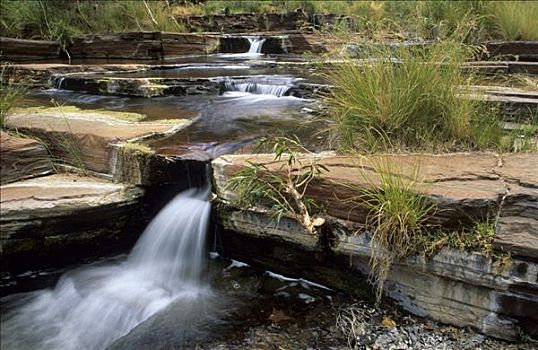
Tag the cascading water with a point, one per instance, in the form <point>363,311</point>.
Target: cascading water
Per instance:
<point>256,44</point>
<point>93,306</point>
<point>258,88</point>
<point>57,82</point>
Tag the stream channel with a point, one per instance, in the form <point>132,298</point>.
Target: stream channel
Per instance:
<point>171,291</point>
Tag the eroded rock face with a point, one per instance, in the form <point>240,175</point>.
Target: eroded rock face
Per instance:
<point>461,288</point>
<point>40,74</point>
<point>519,50</point>
<point>517,225</point>
<point>26,50</point>
<point>22,158</point>
<point>142,45</point>
<point>61,216</point>
<point>89,138</point>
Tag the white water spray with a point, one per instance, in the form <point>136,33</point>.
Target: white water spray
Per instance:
<point>93,306</point>
<point>258,88</point>
<point>256,44</point>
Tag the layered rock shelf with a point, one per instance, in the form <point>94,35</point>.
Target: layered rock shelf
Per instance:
<point>22,158</point>
<point>456,287</point>
<point>58,217</point>
<point>88,138</point>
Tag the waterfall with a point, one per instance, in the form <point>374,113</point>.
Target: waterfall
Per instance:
<point>57,82</point>
<point>93,306</point>
<point>256,44</point>
<point>257,88</point>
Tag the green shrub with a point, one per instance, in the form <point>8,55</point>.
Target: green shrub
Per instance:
<point>61,19</point>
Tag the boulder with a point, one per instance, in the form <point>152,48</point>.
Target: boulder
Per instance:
<point>22,158</point>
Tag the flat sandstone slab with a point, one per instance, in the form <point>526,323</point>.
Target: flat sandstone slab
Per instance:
<point>63,217</point>
<point>464,186</point>
<point>59,191</point>
<point>88,136</point>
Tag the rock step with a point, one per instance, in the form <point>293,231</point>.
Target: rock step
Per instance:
<point>60,216</point>
<point>455,287</point>
<point>28,50</point>
<point>22,158</point>
<point>87,138</point>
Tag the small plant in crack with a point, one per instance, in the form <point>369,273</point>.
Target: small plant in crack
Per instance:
<point>67,143</point>
<point>281,189</point>
<point>397,216</point>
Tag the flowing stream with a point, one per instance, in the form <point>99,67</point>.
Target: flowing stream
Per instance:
<point>93,306</point>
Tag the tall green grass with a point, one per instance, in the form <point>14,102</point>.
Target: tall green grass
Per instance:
<point>409,98</point>
<point>10,94</point>
<point>397,216</point>
<point>514,20</point>
<point>61,19</point>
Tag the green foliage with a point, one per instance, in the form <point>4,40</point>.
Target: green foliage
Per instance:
<point>514,20</point>
<point>282,191</point>
<point>10,94</point>
<point>60,20</point>
<point>397,216</point>
<point>409,98</point>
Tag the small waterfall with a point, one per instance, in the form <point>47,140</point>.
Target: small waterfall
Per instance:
<point>257,88</point>
<point>93,306</point>
<point>256,44</point>
<point>57,82</point>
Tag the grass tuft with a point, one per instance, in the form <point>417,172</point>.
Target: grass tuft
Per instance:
<point>514,20</point>
<point>397,216</point>
<point>10,94</point>
<point>409,98</point>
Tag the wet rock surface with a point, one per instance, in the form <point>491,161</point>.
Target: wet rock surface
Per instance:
<point>256,310</point>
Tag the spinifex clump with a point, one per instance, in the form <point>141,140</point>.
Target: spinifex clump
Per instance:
<point>408,97</point>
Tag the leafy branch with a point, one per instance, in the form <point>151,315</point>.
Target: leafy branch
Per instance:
<point>282,191</point>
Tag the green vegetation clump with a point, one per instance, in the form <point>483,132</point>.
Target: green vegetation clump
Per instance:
<point>514,20</point>
<point>407,98</point>
<point>10,94</point>
<point>283,192</point>
<point>397,218</point>
<point>60,20</point>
